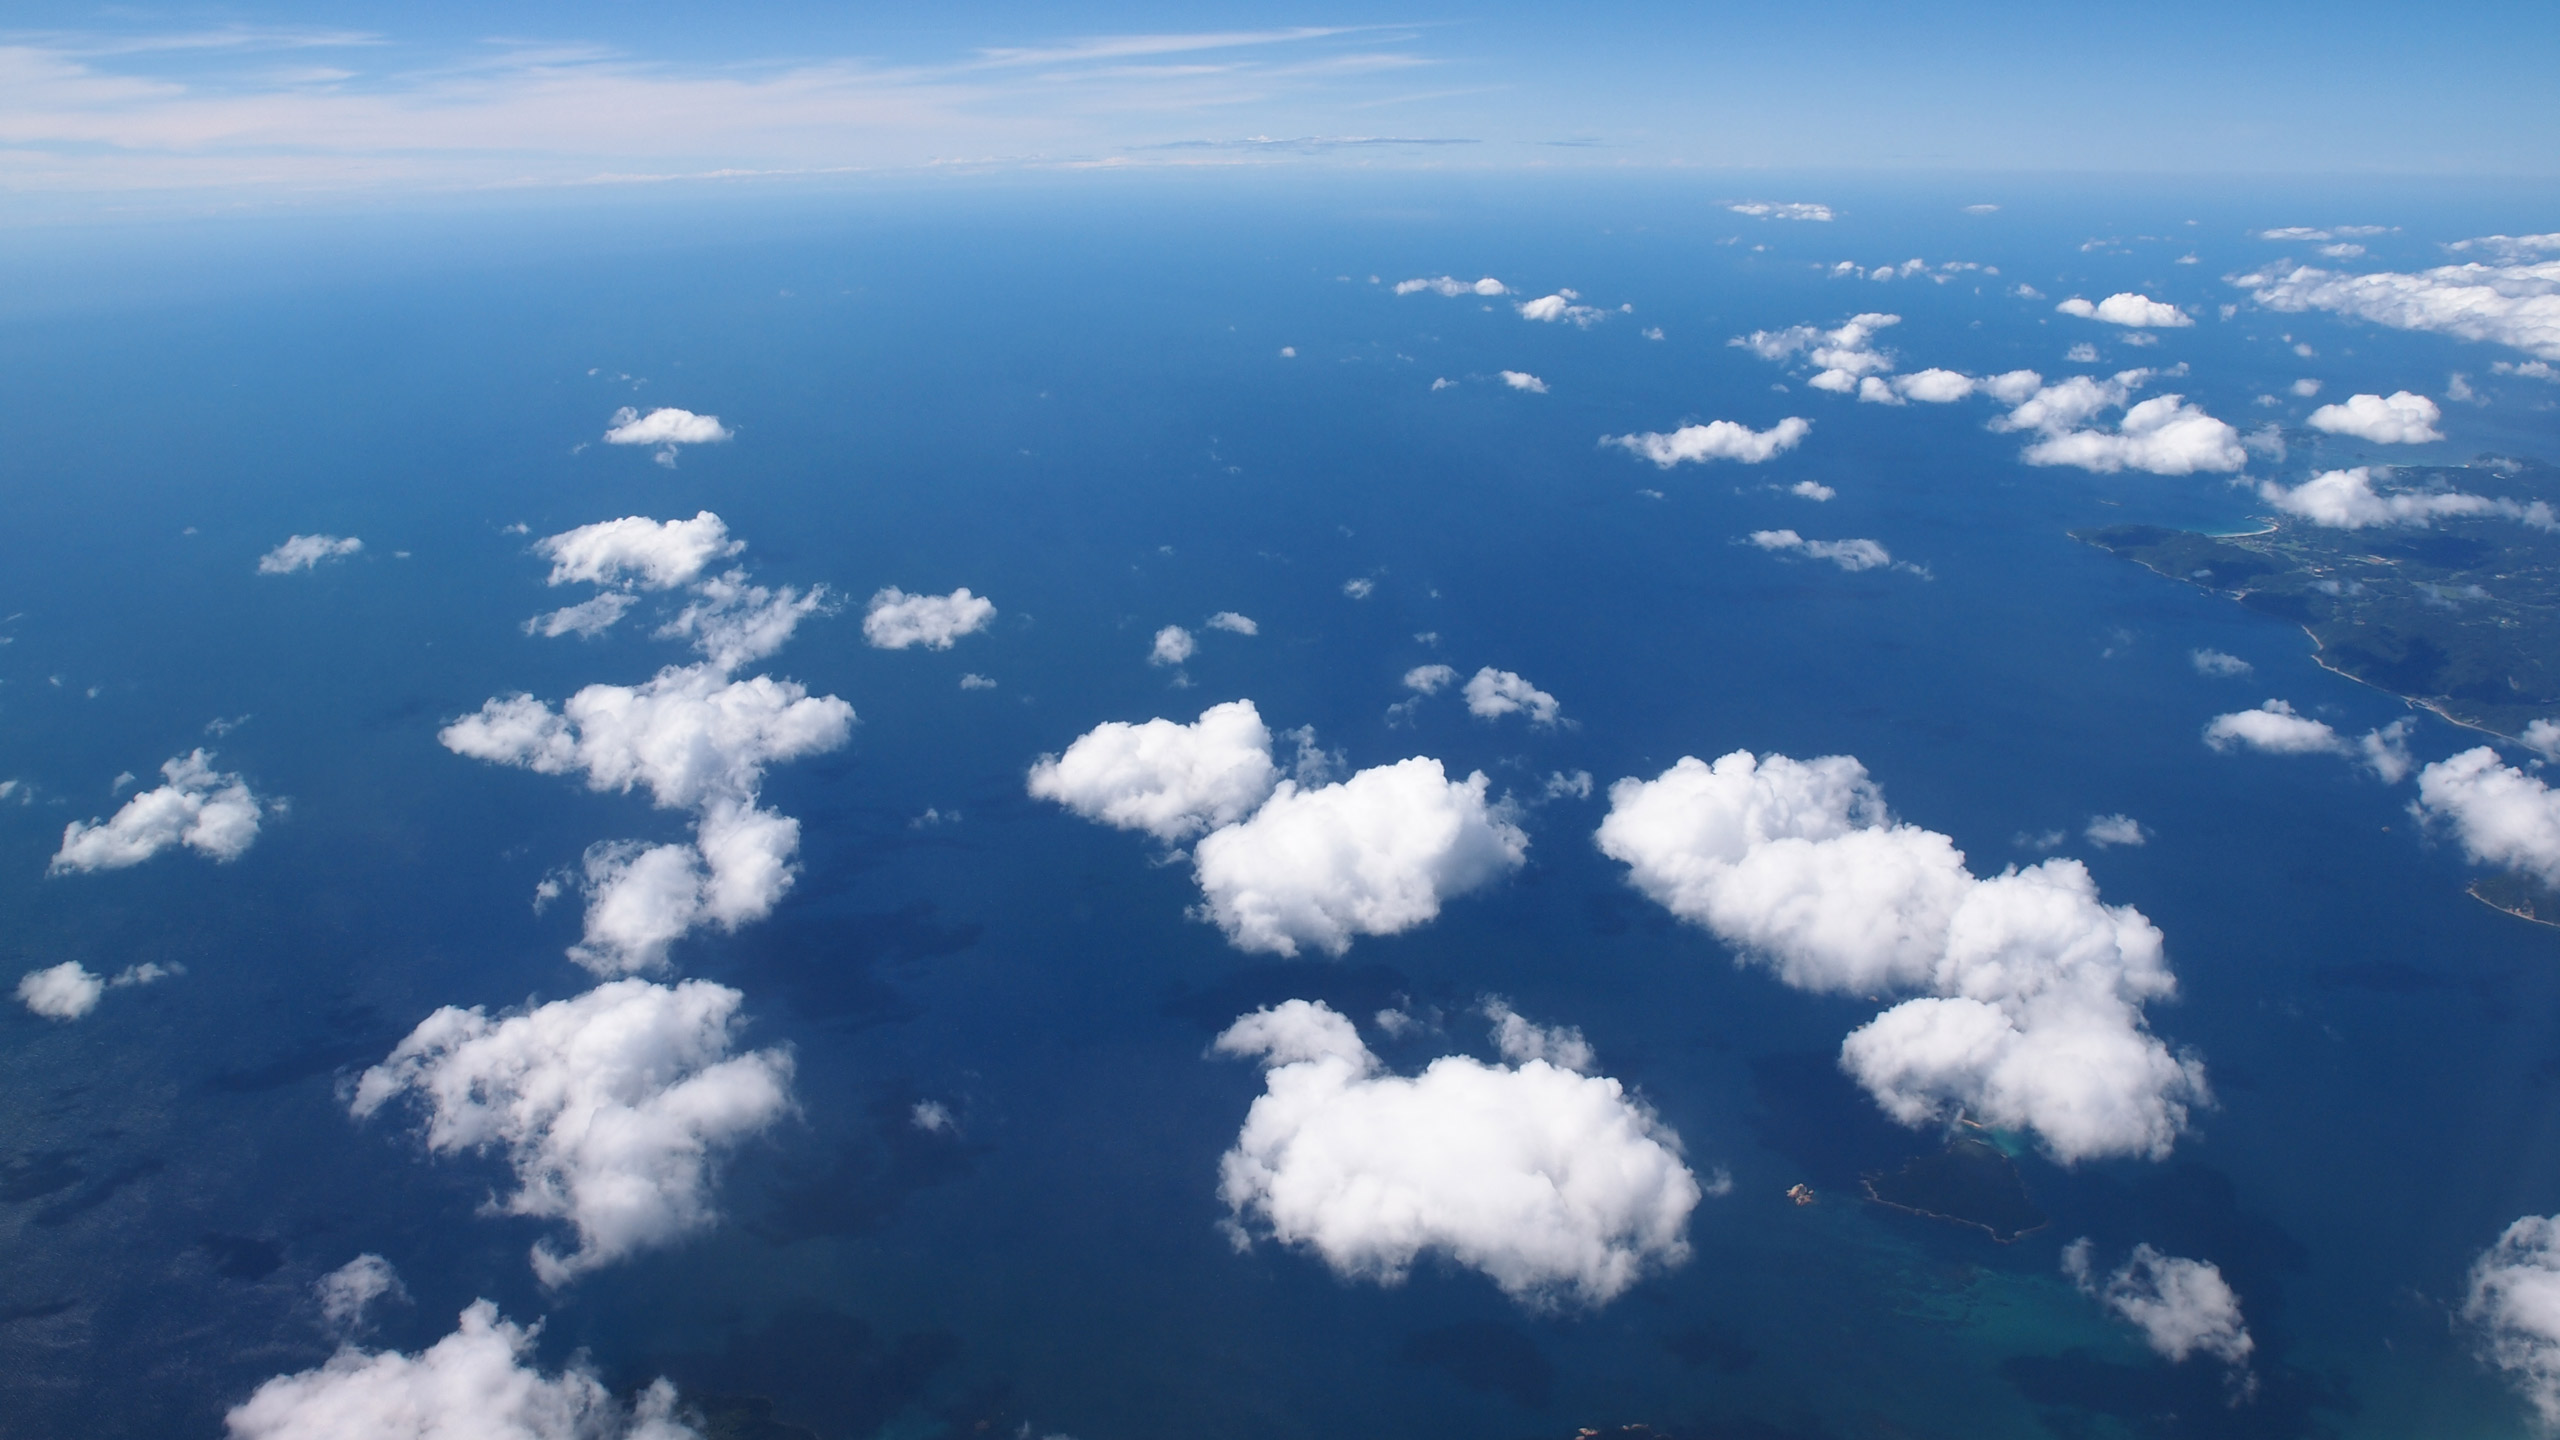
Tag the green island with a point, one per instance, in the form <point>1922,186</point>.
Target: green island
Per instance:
<point>1971,1182</point>
<point>2462,616</point>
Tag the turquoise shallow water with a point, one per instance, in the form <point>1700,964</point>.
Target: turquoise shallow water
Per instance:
<point>1080,408</point>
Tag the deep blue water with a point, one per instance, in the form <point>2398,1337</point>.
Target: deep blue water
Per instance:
<point>1074,402</point>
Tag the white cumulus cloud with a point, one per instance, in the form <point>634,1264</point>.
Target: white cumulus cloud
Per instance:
<point>638,551</point>
<point>2033,1016</point>
<point>1840,356</point>
<point>304,552</point>
<point>69,990</point>
<point>2129,309</point>
<point>2401,418</point>
<point>1852,555</point>
<point>1233,623</point>
<point>1782,210</point>
<point>1558,1186</point>
<point>2163,435</point>
<point>2218,664</point>
<point>1560,306</point>
<point>664,427</point>
<point>586,619</point>
<point>735,623</point>
<point>2275,728</point>
<point>897,619</point>
<point>1372,855</point>
<point>610,1106</point>
<point>481,1380</point>
<point>2109,830</point>
<point>199,807</point>
<point>1523,380</point>
<point>2182,1307</point>
<point>1444,285</point>
<point>2502,815</point>
<point>2514,304</point>
<point>1715,440</point>
<point>348,1294</point>
<point>1171,780</point>
<point>1492,694</point>
<point>2514,1307</point>
<point>1173,645</point>
<point>2346,500</point>
<point>1429,679</point>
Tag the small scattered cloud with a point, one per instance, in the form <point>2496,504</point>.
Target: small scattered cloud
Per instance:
<point>610,1107</point>
<point>1983,209</point>
<point>734,623</point>
<point>2218,664</point>
<point>348,1294</point>
<point>1233,623</point>
<point>1444,285</point>
<point>2510,304</point>
<point>2501,815</point>
<point>1555,1184</point>
<point>1575,784</point>
<point>638,552</point>
<point>2128,309</point>
<point>976,682</point>
<point>1851,555</point>
<point>1840,355</point>
<point>1560,307</point>
<point>2105,831</point>
<point>1173,645</point>
<point>306,552</point>
<point>1429,679</point>
<point>1492,694</point>
<point>483,1379</point>
<point>2513,1308</point>
<point>1523,380</point>
<point>1813,490</point>
<point>666,428</point>
<point>69,990</point>
<point>1170,780</point>
<point>2163,435</point>
<point>897,620</point>
<point>2183,1307</point>
<point>587,619</point>
<point>1715,440</point>
<point>2347,500</point>
<point>199,807</point>
<point>2275,728</point>
<point>1782,210</point>
<point>2402,418</point>
<point>1359,587</point>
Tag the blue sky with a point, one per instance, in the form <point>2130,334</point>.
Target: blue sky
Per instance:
<point>292,101</point>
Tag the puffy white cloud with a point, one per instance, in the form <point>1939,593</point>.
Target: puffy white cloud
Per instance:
<point>1170,780</point>
<point>1523,380</point>
<point>2386,751</point>
<point>1841,355</point>
<point>2163,435</point>
<point>2502,815</point>
<point>690,734</point>
<point>2508,304</point>
<point>735,623</point>
<point>663,427</point>
<point>1359,587</point>
<point>2107,830</point>
<point>1173,645</point>
<point>1715,440</point>
<point>2065,403</point>
<point>2346,500</point>
<point>586,619</point>
<point>1782,210</point>
<point>1813,490</point>
<point>61,992</point>
<point>1560,306</point>
<point>2182,1307</point>
<point>697,741</point>
<point>2274,728</point>
<point>638,551</point>
<point>897,619</point>
<point>2401,419</point>
<point>1447,286</point>
<point>198,807</point>
<point>2543,738</point>
<point>1233,623</point>
<point>348,1293</point>
<point>1429,679</point>
<point>2033,1018</point>
<point>1934,387</point>
<point>2514,1303</point>
<point>68,991</point>
<point>1372,855</point>
<point>1492,694</point>
<point>304,552</point>
<point>2218,664</point>
<point>2130,309</point>
<point>1852,555</point>
<point>610,1107</point>
<point>1558,1186</point>
<point>481,1380</point>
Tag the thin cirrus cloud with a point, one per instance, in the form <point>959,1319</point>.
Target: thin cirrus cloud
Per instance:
<point>610,1107</point>
<point>1551,1181</point>
<point>2032,992</point>
<point>209,811</point>
<point>1288,863</point>
<point>307,552</point>
<point>483,1379</point>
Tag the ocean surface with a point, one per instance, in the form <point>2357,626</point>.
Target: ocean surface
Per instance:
<point>1127,402</point>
